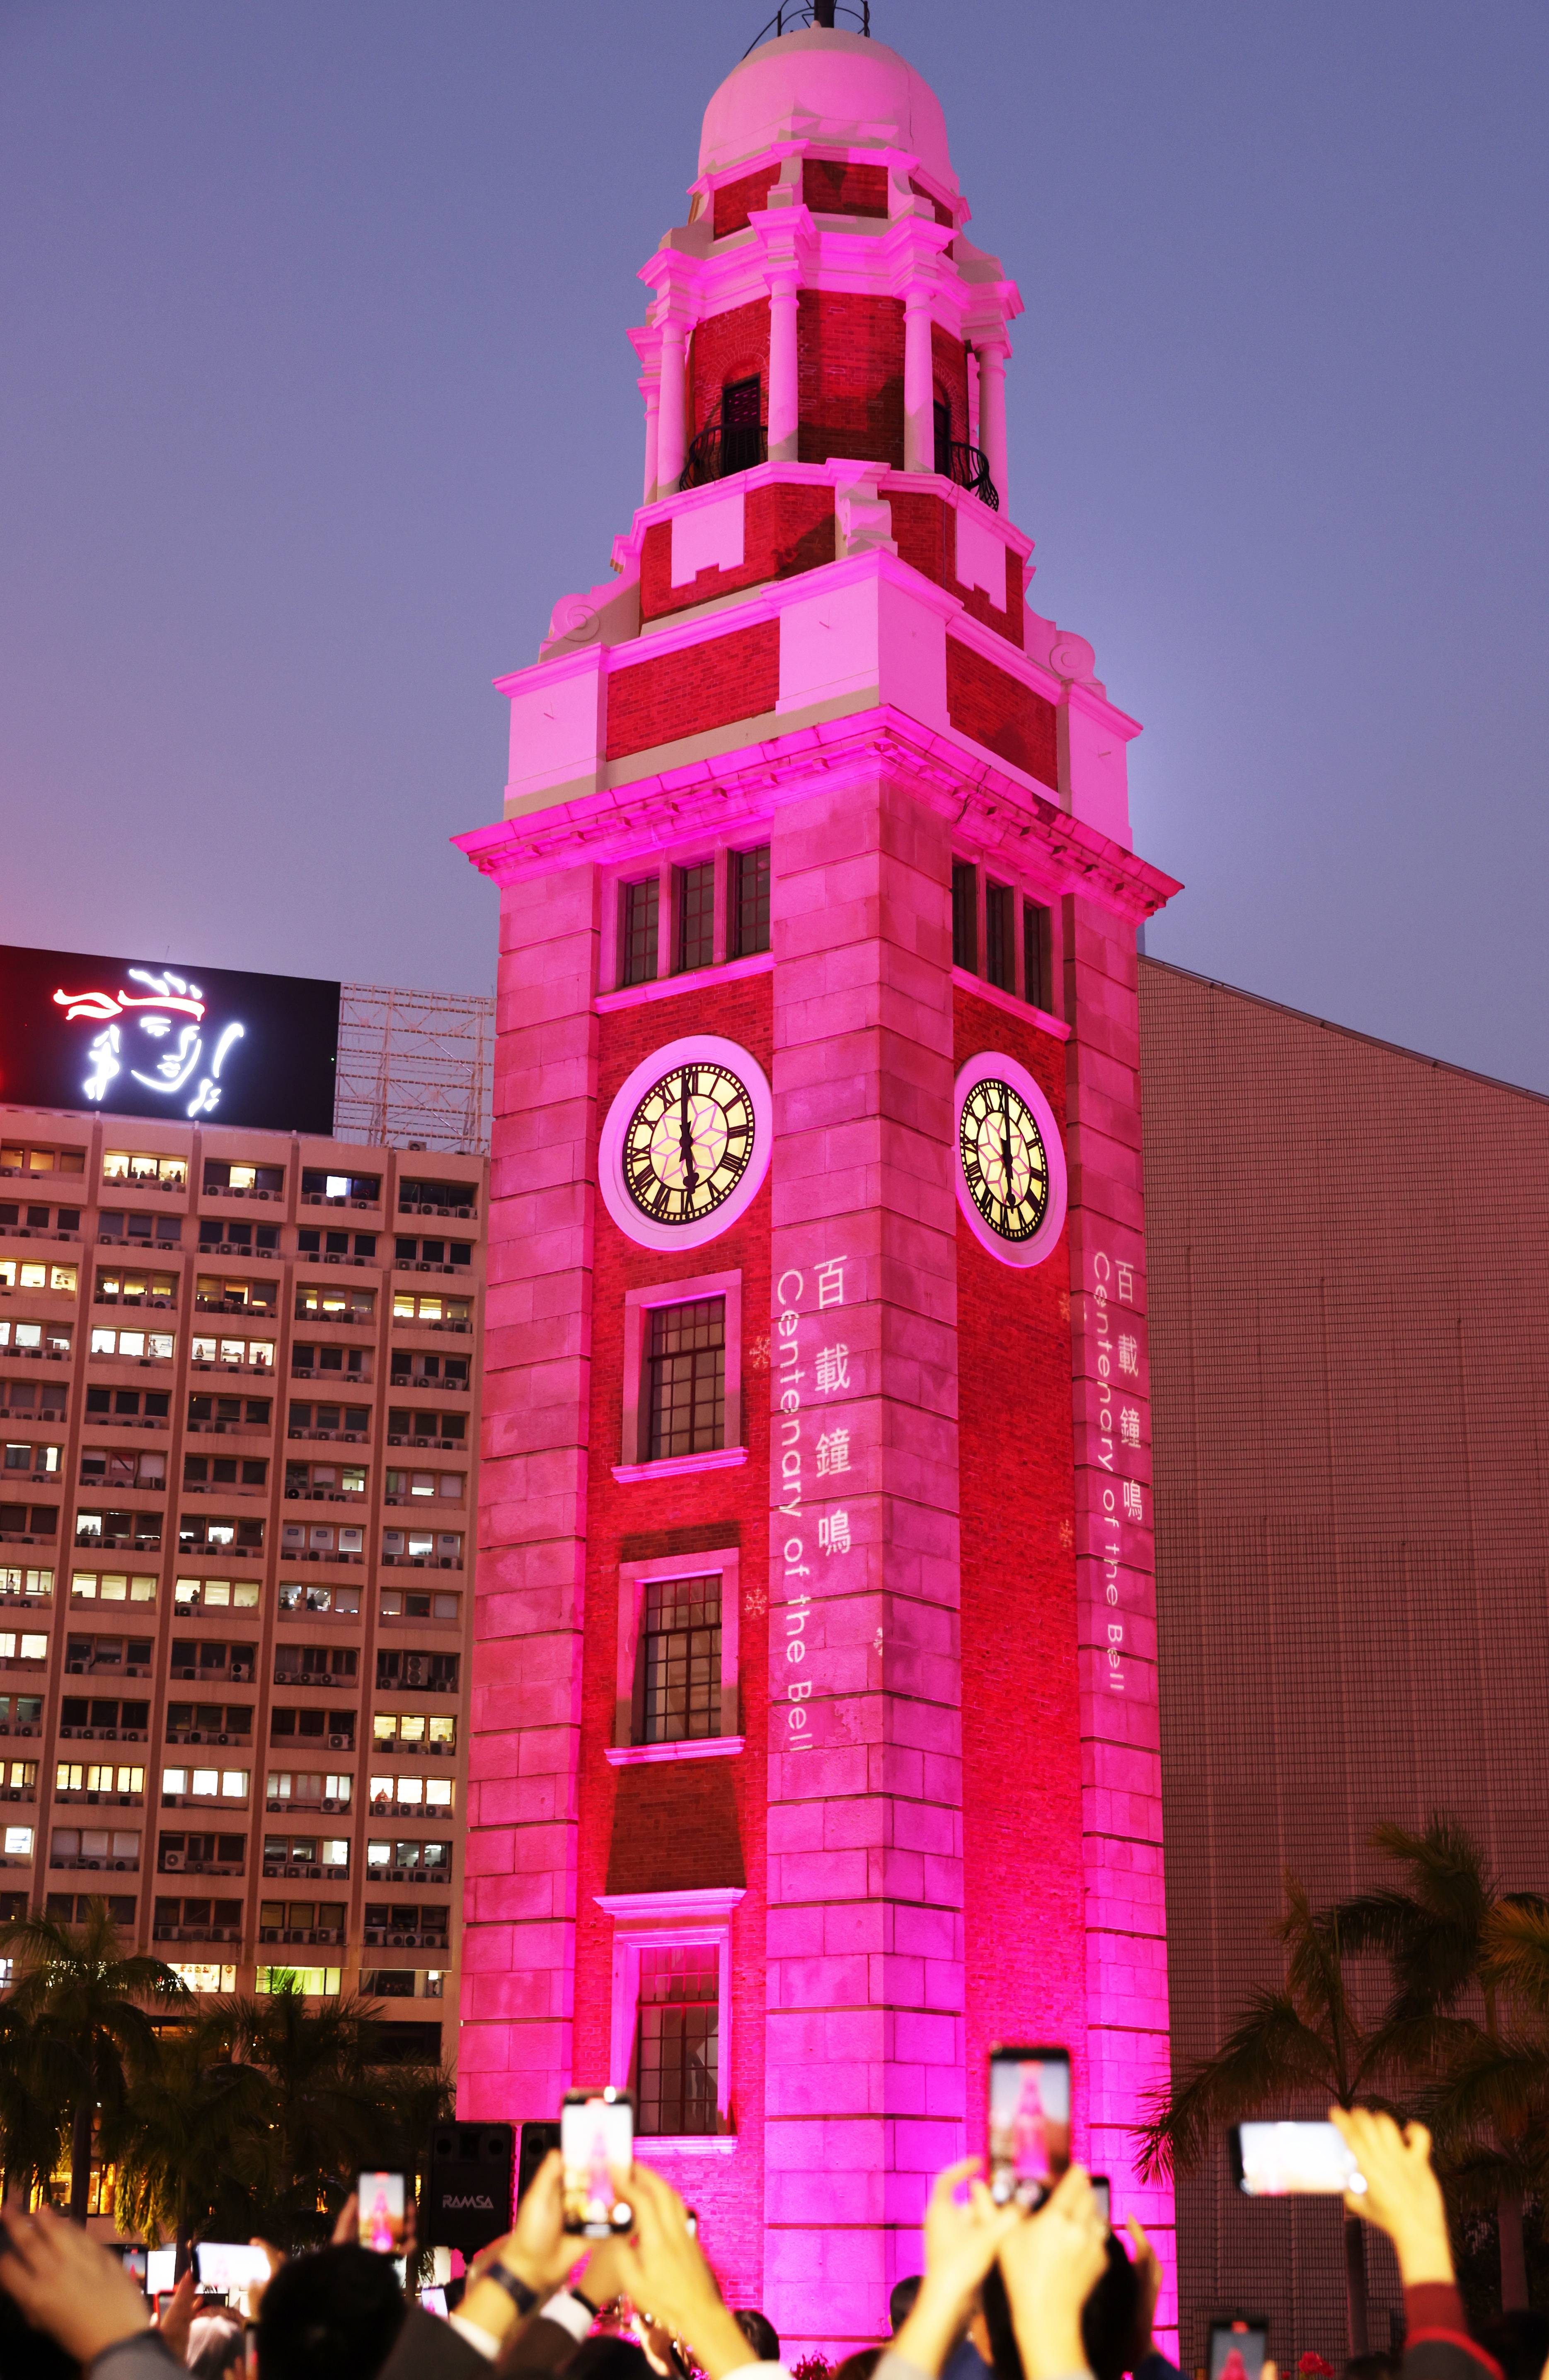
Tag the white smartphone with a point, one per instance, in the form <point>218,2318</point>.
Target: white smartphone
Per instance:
<point>230,2266</point>
<point>1291,2160</point>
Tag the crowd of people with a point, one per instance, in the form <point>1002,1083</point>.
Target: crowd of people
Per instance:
<point>1047,2295</point>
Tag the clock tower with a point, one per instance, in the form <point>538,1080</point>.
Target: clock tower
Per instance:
<point>814,1720</point>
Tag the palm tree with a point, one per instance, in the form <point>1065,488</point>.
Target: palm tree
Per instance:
<point>190,2139</point>
<point>1448,1933</point>
<point>325,2107</point>
<point>1303,2041</point>
<point>85,2005</point>
<point>31,2131</point>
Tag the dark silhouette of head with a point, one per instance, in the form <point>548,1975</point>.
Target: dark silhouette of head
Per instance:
<point>331,2315</point>
<point>900,2302</point>
<point>759,2332</point>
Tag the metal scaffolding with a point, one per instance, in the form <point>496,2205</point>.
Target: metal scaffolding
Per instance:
<point>415,1067</point>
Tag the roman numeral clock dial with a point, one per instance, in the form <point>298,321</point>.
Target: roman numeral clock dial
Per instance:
<point>686,1143</point>
<point>1011,1186</point>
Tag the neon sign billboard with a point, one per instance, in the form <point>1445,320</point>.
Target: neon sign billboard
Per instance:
<point>133,1037</point>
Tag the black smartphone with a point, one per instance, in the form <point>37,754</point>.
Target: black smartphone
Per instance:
<point>1104,2197</point>
<point>1237,2350</point>
<point>596,2140</point>
<point>382,2212</point>
<point>1029,2122</point>
<point>1292,2160</point>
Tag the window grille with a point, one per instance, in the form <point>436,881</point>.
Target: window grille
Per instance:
<point>687,1378</point>
<point>678,2044</point>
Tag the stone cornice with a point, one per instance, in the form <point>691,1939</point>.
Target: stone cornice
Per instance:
<point>725,791</point>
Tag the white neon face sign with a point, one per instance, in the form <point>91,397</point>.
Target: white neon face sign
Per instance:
<point>165,1027</point>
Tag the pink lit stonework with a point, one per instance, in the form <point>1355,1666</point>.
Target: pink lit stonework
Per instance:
<point>919,1809</point>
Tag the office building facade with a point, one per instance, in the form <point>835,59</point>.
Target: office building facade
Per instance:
<point>239,1404</point>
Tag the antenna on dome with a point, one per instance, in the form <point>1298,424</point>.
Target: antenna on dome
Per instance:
<point>822,13</point>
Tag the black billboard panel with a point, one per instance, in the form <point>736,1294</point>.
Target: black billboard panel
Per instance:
<point>158,1037</point>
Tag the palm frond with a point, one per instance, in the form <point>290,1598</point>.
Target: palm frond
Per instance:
<point>1517,1949</point>
<point>1269,2057</point>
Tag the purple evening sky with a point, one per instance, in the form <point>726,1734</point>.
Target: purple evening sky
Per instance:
<point>314,397</point>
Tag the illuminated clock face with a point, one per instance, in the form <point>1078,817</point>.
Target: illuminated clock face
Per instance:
<point>689,1142</point>
<point>1011,1186</point>
<point>686,1143</point>
<point>1005,1165</point>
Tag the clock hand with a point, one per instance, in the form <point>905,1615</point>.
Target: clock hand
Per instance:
<point>686,1138</point>
<point>1005,1145</point>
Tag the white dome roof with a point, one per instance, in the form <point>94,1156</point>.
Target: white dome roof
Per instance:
<point>837,90</point>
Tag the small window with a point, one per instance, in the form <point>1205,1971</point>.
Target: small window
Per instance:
<point>696,916</point>
<point>749,891</point>
<point>676,2057</point>
<point>680,1660</point>
<point>637,932</point>
<point>1000,947</point>
<point>965,914</point>
<point>686,1378</point>
<point>1038,955</point>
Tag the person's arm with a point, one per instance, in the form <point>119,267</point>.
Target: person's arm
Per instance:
<point>962,2241</point>
<point>69,2285</point>
<point>428,2348</point>
<point>527,2266</point>
<point>662,2269</point>
<point>1051,2262</point>
<point>1403,2198</point>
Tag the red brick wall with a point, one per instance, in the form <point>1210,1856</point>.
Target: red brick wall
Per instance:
<point>686,693</point>
<point>832,185</point>
<point>949,370</point>
<point>1021,1747</point>
<point>682,1821</point>
<point>1001,714</point>
<point>735,201</point>
<point>851,367</point>
<point>926,537</point>
<point>732,346</point>
<point>785,529</point>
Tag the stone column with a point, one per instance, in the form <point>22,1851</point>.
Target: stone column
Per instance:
<point>518,1945</point>
<point>1121,1762</point>
<point>783,368</point>
<point>651,390</point>
<point>992,355</point>
<point>864,2030</point>
<point>920,424</point>
<point>671,436</point>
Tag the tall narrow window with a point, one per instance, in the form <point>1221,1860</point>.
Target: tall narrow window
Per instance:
<point>637,932</point>
<point>677,2050</point>
<point>686,1378</point>
<point>943,414</point>
<point>965,914</point>
<point>749,889</point>
<point>1037,955</point>
<point>680,1660</point>
<point>696,916</point>
<point>1000,942</point>
<point>741,426</point>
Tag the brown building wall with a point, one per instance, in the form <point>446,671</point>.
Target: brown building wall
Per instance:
<point>1349,1257</point>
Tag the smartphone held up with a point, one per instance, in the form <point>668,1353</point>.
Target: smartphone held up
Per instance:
<point>596,2141</point>
<point>1292,2160</point>
<point>1030,2123</point>
<point>1237,2349</point>
<point>382,2203</point>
